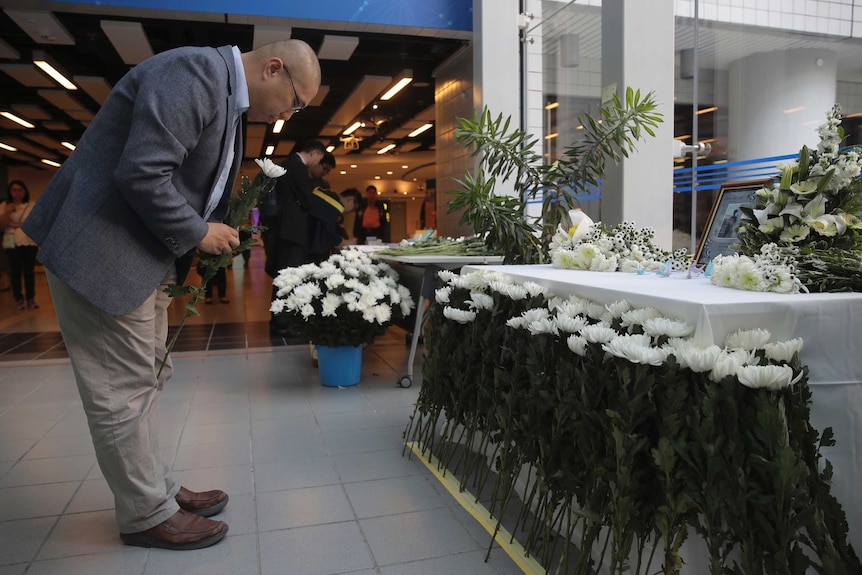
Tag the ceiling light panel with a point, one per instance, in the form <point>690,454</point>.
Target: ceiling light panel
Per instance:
<point>129,40</point>
<point>50,67</point>
<point>42,27</point>
<point>337,47</point>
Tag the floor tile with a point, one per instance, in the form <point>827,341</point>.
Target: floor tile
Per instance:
<point>395,495</point>
<point>472,562</point>
<point>303,507</point>
<point>52,470</point>
<point>61,446</point>
<point>92,495</point>
<point>22,538</point>
<point>240,514</point>
<point>414,536</point>
<point>233,556</point>
<point>375,465</point>
<point>234,479</point>
<point>82,533</point>
<point>318,550</point>
<point>236,451</point>
<point>31,501</point>
<point>125,561</point>
<point>15,449</point>
<point>294,474</point>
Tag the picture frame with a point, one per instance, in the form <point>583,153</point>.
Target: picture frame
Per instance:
<point>719,234</point>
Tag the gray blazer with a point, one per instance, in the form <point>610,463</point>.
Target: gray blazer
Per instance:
<point>129,200</point>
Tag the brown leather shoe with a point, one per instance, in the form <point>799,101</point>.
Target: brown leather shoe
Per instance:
<point>182,531</point>
<point>205,503</point>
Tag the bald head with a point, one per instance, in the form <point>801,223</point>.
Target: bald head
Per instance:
<point>282,77</point>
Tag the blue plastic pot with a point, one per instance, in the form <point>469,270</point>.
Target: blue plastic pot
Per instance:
<point>339,366</point>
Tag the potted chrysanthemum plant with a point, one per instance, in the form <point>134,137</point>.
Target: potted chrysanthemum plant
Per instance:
<point>341,305</point>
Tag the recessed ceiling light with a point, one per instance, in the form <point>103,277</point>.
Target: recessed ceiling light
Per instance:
<point>16,119</point>
<point>51,163</point>
<point>352,165</point>
<point>69,145</point>
<point>377,178</point>
<point>7,147</point>
<point>342,172</point>
<point>404,167</point>
<point>388,172</point>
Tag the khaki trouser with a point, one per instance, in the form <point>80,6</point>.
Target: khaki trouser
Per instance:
<point>115,360</point>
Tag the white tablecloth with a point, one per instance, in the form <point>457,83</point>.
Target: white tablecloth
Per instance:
<point>829,324</point>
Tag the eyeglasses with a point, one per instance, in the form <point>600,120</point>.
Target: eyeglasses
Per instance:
<point>298,106</point>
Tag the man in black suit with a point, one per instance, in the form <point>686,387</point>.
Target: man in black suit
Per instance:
<point>294,192</point>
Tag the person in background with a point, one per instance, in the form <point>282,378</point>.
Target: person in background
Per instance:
<point>147,185</point>
<point>326,210</point>
<point>350,199</point>
<point>372,218</point>
<point>19,248</point>
<point>289,233</point>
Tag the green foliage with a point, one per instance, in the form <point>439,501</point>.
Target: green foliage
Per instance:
<point>510,155</point>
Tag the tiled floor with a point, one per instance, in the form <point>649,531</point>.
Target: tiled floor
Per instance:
<point>317,479</point>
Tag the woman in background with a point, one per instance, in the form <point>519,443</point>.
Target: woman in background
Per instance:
<point>19,248</point>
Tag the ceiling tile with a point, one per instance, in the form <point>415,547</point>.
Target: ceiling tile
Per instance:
<point>31,112</point>
<point>264,34</point>
<point>42,27</point>
<point>61,99</point>
<point>27,74</point>
<point>337,47</point>
<point>129,40</point>
<point>8,52</point>
<point>97,87</point>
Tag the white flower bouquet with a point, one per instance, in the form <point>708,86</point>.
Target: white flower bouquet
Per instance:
<point>349,299</point>
<point>587,245</point>
<point>812,215</point>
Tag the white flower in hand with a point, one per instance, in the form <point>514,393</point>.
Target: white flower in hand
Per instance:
<point>270,169</point>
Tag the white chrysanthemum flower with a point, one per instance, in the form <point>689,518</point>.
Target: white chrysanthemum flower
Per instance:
<point>307,310</point>
<point>771,377</point>
<point>573,307</point>
<point>269,168</point>
<point>330,303</point>
<point>639,315</point>
<point>596,311</point>
<point>459,315</point>
<point>544,325</point>
<point>598,333</point>
<point>726,365</point>
<point>748,339</point>
<point>568,324</point>
<point>636,349</point>
<point>534,289</point>
<point>565,259</point>
<point>441,295</point>
<point>277,306</point>
<point>382,314</point>
<point>578,344</point>
<point>479,300</point>
<point>662,326</point>
<point>618,308</point>
<point>783,350</point>
<point>698,359</point>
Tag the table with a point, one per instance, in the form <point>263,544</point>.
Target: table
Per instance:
<point>427,267</point>
<point>829,324</point>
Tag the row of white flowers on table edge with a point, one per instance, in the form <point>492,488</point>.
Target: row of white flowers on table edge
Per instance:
<point>570,318</point>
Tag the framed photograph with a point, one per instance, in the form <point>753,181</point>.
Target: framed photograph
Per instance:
<point>720,231</point>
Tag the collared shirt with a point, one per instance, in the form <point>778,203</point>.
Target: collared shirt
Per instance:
<point>242,104</point>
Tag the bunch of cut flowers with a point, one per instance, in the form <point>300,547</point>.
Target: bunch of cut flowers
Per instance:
<point>812,215</point>
<point>347,300</point>
<point>588,245</point>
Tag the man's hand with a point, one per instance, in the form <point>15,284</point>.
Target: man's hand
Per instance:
<point>220,239</point>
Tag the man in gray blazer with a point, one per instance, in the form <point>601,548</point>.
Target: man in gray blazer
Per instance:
<point>148,184</point>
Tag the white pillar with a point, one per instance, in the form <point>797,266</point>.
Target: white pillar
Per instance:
<point>497,64</point>
<point>777,100</point>
<point>637,52</point>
